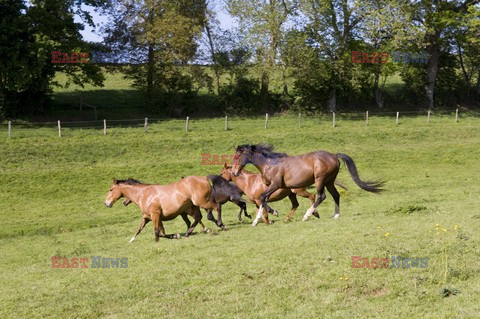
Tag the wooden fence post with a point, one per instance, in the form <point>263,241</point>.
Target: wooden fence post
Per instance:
<point>428,117</point>
<point>334,120</point>
<point>59,129</point>
<point>299,119</point>
<point>266,120</point>
<point>366,118</point>
<point>456,115</point>
<point>145,126</point>
<point>186,124</point>
<point>104,127</point>
<point>398,114</point>
<point>9,129</point>
<point>226,123</point>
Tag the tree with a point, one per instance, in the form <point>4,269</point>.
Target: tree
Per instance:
<point>332,25</point>
<point>28,35</point>
<point>437,19</point>
<point>263,23</point>
<point>163,35</point>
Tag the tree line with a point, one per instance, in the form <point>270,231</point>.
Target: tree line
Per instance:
<point>298,55</point>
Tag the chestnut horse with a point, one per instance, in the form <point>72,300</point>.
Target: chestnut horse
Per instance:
<point>165,202</point>
<point>222,191</point>
<point>253,187</point>
<point>282,171</point>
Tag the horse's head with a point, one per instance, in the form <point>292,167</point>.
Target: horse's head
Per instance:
<point>114,194</point>
<point>242,157</point>
<point>226,172</point>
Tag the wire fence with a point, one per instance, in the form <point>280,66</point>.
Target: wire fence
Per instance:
<point>21,129</point>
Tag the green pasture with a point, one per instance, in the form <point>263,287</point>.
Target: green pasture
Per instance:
<point>51,204</point>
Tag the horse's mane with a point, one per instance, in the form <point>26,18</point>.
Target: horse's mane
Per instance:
<point>129,181</point>
<point>264,149</point>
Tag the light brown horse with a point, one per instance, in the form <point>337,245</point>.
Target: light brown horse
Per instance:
<point>282,171</point>
<point>165,202</point>
<point>253,187</point>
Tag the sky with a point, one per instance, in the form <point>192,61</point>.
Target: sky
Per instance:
<point>89,34</point>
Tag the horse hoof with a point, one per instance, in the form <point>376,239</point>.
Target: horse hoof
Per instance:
<point>304,219</point>
<point>248,216</point>
<point>275,213</point>
<point>336,216</point>
<point>255,222</point>
<point>316,214</point>
<point>224,227</point>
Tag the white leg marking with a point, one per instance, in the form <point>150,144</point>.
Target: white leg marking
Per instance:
<point>308,213</point>
<point>336,216</point>
<point>131,240</point>
<point>259,215</point>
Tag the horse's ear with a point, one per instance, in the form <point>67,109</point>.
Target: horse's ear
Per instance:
<point>114,180</point>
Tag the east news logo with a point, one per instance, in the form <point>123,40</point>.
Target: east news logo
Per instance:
<point>97,262</point>
<point>396,262</point>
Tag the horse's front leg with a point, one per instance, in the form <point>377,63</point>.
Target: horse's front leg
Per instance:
<point>159,230</point>
<point>266,195</point>
<point>145,221</point>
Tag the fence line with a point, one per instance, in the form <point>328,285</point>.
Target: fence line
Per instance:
<point>146,121</point>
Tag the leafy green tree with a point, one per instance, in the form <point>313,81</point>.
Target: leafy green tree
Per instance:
<point>163,35</point>
<point>332,26</point>
<point>437,21</point>
<point>28,35</point>
<point>264,25</point>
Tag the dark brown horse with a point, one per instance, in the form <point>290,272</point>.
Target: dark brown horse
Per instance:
<point>165,202</point>
<point>253,187</point>
<point>222,192</point>
<point>282,171</point>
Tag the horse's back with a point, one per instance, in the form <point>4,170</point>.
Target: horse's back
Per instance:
<point>198,189</point>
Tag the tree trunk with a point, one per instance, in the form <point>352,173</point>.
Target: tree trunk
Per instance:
<point>284,79</point>
<point>432,68</point>
<point>332,101</point>
<point>212,54</point>
<point>150,73</point>
<point>377,91</point>
<point>264,83</point>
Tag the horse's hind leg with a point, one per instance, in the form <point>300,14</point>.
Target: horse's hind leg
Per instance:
<point>219,217</point>
<point>320,198</point>
<point>142,225</point>
<point>294,201</point>
<point>306,194</point>
<point>210,216</point>
<point>198,217</point>
<point>336,197</point>
<point>243,208</point>
<point>186,220</point>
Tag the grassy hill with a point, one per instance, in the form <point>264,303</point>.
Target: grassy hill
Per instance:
<point>51,204</point>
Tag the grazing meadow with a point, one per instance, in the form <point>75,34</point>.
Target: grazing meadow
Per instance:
<point>52,204</point>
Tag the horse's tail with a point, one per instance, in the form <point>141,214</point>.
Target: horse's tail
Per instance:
<point>369,186</point>
<point>220,186</point>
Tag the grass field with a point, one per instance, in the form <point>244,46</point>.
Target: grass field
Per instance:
<point>51,204</point>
